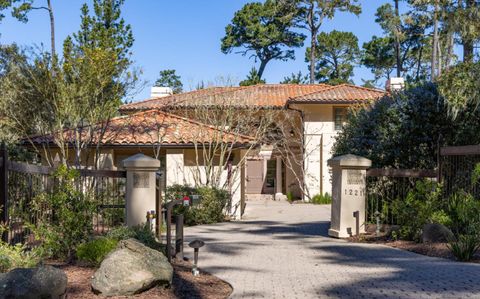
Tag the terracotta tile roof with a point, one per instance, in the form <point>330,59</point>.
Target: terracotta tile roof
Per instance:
<point>343,93</point>
<point>156,127</point>
<point>265,95</point>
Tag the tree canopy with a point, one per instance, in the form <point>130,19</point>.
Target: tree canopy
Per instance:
<point>264,31</point>
<point>169,78</point>
<point>336,54</point>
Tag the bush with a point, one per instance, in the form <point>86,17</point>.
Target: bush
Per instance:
<point>142,233</point>
<point>290,197</point>
<point>465,247</point>
<point>421,206</point>
<point>93,252</point>
<point>321,199</point>
<point>18,256</point>
<point>65,216</point>
<point>210,208</point>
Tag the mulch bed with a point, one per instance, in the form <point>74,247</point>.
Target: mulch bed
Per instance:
<point>429,249</point>
<point>185,285</point>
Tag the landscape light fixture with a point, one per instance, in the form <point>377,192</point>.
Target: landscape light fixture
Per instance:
<point>196,244</point>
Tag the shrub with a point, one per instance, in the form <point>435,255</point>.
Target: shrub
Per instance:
<point>65,216</point>
<point>142,233</point>
<point>93,252</point>
<point>320,199</point>
<point>290,197</point>
<point>18,256</point>
<point>210,208</point>
<point>465,247</point>
<point>420,206</point>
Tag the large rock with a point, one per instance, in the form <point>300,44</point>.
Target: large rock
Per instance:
<point>436,233</point>
<point>33,283</point>
<point>131,269</point>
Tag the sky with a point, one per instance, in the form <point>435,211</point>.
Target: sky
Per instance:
<point>184,35</point>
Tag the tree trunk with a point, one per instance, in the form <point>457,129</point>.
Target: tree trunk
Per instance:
<point>263,64</point>
<point>468,42</point>
<point>397,43</point>
<point>313,50</point>
<point>52,28</point>
<point>434,44</point>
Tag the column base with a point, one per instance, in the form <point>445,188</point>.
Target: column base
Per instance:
<point>280,196</point>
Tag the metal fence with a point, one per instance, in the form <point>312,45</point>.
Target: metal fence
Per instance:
<point>21,183</point>
<point>384,186</point>
<point>456,165</point>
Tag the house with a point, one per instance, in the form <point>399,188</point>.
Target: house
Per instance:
<point>212,135</point>
<point>322,109</point>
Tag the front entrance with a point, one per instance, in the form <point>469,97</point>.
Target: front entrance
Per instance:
<point>254,177</point>
<point>261,176</point>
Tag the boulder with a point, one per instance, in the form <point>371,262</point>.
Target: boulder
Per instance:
<point>33,283</point>
<point>131,269</point>
<point>436,233</point>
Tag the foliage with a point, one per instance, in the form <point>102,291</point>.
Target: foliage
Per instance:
<point>464,213</point>
<point>298,78</point>
<point>311,16</point>
<point>320,199</point>
<point>253,78</point>
<point>263,30</point>
<point>418,208</point>
<point>209,209</point>
<point>336,54</point>
<point>142,233</point>
<point>81,93</point>
<point>94,252</point>
<point>18,256</point>
<point>168,78</point>
<point>290,197</point>
<point>459,86</point>
<point>379,56</point>
<point>465,247</point>
<point>404,129</point>
<point>64,216</point>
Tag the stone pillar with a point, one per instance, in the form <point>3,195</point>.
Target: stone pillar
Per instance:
<point>278,179</point>
<point>349,183</point>
<point>141,187</point>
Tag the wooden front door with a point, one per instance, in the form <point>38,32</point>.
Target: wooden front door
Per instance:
<point>254,177</point>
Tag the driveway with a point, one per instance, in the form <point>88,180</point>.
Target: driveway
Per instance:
<point>282,251</point>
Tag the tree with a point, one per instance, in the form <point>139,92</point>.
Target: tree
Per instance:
<point>298,78</point>
<point>253,78</point>
<point>403,130</point>
<point>312,14</point>
<point>337,52</point>
<point>21,11</point>
<point>70,103</point>
<point>263,30</point>
<point>168,78</point>
<point>379,56</point>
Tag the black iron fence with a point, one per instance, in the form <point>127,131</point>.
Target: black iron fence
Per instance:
<point>384,186</point>
<point>21,183</point>
<point>456,166</point>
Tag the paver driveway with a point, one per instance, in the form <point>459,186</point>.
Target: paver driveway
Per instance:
<point>281,251</point>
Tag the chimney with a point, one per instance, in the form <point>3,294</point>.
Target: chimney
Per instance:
<point>395,84</point>
<point>160,92</point>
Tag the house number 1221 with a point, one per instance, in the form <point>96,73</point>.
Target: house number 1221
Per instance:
<point>353,192</point>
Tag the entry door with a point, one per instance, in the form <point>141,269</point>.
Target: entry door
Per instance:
<point>254,176</point>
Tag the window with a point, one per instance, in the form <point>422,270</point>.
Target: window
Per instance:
<point>340,117</point>
<point>271,173</point>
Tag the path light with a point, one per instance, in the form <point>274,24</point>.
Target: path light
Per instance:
<point>377,215</point>
<point>196,244</point>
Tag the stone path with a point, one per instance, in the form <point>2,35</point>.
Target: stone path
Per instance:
<point>281,251</point>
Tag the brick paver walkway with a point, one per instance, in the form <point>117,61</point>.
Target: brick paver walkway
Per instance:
<point>281,251</point>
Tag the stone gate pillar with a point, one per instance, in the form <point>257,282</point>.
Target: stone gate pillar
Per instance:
<point>348,194</point>
<point>141,187</point>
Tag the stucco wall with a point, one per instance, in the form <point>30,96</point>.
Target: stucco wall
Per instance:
<point>319,132</point>
<point>182,168</point>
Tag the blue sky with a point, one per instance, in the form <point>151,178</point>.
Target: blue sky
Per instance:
<point>184,35</point>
